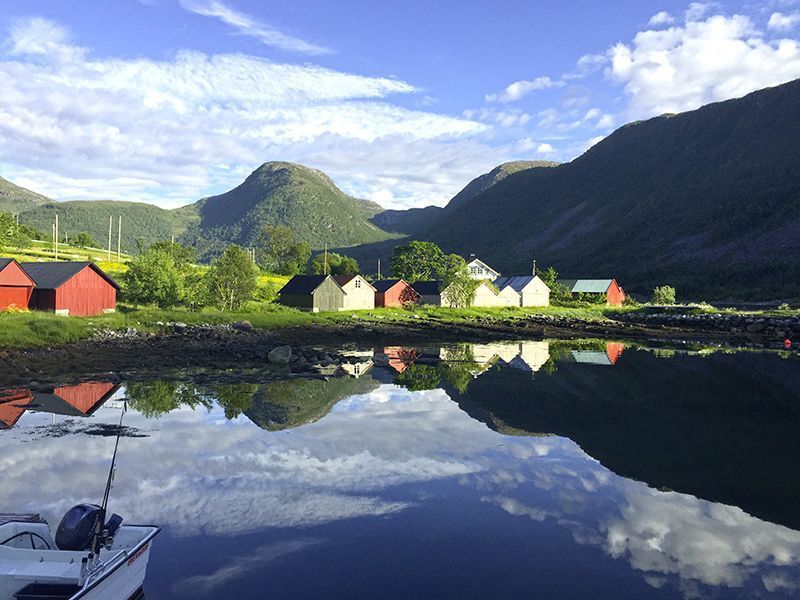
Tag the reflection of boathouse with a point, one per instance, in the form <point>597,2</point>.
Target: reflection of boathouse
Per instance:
<point>526,356</point>
<point>357,363</point>
<point>607,358</point>
<point>80,400</point>
<point>395,357</point>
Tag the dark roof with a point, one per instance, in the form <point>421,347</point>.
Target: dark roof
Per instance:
<point>517,282</point>
<point>427,288</point>
<point>383,285</point>
<point>343,280</point>
<point>303,284</point>
<point>52,275</point>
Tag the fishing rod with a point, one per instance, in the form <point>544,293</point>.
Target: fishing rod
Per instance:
<point>102,533</point>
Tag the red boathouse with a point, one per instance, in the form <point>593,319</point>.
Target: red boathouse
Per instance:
<point>79,289</point>
<point>16,286</point>
<point>394,292</point>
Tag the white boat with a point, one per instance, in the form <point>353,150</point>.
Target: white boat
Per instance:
<point>35,565</point>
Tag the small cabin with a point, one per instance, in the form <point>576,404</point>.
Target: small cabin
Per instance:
<point>530,289</point>
<point>359,294</point>
<point>314,293</point>
<point>613,292</point>
<point>16,286</point>
<point>80,289</point>
<point>394,292</point>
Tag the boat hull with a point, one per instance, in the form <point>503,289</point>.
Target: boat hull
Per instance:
<point>122,581</point>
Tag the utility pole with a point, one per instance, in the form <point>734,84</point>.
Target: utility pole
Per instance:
<point>534,267</point>
<point>56,240</point>
<point>53,239</point>
<point>325,263</point>
<point>110,222</point>
<point>379,269</point>
<point>119,240</point>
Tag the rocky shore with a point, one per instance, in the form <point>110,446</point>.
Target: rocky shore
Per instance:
<point>316,350</point>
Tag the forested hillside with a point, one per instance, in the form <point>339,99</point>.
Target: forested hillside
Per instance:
<point>708,200</point>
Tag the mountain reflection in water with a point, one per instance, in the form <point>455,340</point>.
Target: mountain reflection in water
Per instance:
<point>493,470</point>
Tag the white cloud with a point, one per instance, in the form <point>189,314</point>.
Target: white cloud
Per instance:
<point>781,22</point>
<point>545,149</point>
<point>697,10</point>
<point>250,26</point>
<point>682,68</point>
<point>661,18</point>
<point>78,126</point>
<point>520,89</point>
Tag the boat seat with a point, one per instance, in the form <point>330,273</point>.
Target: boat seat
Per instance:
<point>47,591</point>
<point>56,572</point>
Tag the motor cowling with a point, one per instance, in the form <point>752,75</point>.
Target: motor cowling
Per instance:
<point>77,527</point>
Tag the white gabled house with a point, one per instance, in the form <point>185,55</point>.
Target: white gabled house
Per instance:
<point>480,270</point>
<point>530,289</point>
<point>359,293</point>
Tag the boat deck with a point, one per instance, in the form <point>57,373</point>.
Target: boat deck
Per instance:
<point>20,518</point>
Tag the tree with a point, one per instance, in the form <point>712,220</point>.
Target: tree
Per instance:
<point>663,294</point>
<point>8,229</point>
<point>338,264</point>
<point>557,291</point>
<point>84,240</point>
<point>235,398</point>
<point>232,279</point>
<point>455,279</point>
<point>417,261</point>
<point>280,253</point>
<point>154,278</point>
<point>184,256</point>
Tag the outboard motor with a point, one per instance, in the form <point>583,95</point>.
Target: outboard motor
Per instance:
<point>77,527</point>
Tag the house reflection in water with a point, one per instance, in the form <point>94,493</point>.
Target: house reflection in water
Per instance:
<point>395,357</point>
<point>608,358</point>
<point>357,363</point>
<point>526,356</point>
<point>80,400</point>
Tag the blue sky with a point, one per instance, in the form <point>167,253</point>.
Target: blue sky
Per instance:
<point>166,101</point>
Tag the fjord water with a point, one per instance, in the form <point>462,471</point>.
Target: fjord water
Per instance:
<point>534,469</point>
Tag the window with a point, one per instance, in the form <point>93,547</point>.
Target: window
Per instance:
<point>358,283</point>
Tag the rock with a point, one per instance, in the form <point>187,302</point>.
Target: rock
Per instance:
<point>280,355</point>
<point>243,326</point>
<point>179,327</point>
<point>755,328</point>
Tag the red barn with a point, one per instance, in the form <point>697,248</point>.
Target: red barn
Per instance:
<point>615,295</point>
<point>72,288</point>
<point>16,286</point>
<point>394,292</point>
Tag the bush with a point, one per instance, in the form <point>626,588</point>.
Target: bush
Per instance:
<point>154,278</point>
<point>784,307</point>
<point>663,294</point>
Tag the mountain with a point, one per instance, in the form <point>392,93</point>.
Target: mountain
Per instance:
<point>707,200</point>
<point>277,193</point>
<point>15,199</point>
<point>141,222</point>
<point>416,220</point>
<point>281,193</point>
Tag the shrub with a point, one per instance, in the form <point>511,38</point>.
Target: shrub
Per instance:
<point>663,294</point>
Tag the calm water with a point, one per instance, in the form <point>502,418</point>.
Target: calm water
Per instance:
<point>494,471</point>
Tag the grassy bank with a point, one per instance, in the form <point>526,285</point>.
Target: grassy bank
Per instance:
<point>37,329</point>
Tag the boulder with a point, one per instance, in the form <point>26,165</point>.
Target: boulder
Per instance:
<point>243,326</point>
<point>280,355</point>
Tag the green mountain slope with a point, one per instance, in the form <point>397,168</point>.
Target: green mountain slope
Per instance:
<point>708,200</point>
<point>279,193</point>
<point>15,199</point>
<point>140,222</point>
<point>417,220</point>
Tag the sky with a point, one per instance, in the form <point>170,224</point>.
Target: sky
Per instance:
<point>403,103</point>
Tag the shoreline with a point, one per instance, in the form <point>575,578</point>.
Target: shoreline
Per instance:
<point>239,348</point>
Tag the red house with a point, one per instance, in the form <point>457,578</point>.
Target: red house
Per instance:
<point>80,400</point>
<point>613,292</point>
<point>16,286</point>
<point>72,288</point>
<point>394,292</point>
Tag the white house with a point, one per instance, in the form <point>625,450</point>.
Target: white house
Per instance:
<point>530,289</point>
<point>359,293</point>
<point>480,270</point>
